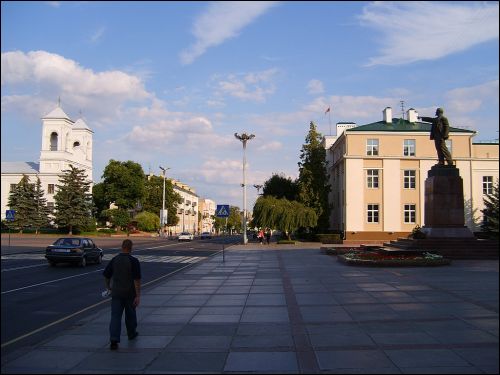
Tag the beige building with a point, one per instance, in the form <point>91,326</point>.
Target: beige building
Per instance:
<point>377,174</point>
<point>207,209</point>
<point>187,210</point>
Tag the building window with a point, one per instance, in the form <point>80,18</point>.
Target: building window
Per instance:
<point>487,185</point>
<point>409,179</point>
<point>50,206</point>
<point>372,178</point>
<point>449,146</point>
<point>409,147</point>
<point>13,187</point>
<point>372,147</point>
<point>372,213</point>
<point>410,212</point>
<point>50,189</point>
<point>53,141</point>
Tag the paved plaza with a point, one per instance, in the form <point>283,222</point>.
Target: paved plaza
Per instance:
<point>294,309</point>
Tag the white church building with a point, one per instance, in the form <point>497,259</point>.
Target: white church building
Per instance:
<point>64,142</point>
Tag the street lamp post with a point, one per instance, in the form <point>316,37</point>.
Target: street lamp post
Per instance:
<point>244,138</point>
<point>163,216</point>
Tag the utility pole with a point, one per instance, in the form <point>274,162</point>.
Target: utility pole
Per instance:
<point>244,138</point>
<point>163,217</point>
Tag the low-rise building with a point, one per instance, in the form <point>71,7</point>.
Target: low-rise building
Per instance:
<point>207,209</point>
<point>377,174</point>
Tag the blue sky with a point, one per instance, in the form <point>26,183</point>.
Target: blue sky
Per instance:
<point>171,82</point>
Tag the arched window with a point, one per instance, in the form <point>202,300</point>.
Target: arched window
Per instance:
<point>53,141</point>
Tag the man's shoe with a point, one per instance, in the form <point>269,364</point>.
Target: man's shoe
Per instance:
<point>133,336</point>
<point>113,345</point>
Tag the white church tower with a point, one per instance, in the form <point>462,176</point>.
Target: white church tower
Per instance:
<point>65,142</point>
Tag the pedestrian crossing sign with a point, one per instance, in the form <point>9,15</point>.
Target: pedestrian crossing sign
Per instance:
<point>10,215</point>
<point>222,210</point>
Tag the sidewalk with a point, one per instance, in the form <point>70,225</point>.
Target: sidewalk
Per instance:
<point>287,310</point>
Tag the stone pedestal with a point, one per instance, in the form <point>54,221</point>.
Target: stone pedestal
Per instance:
<point>444,204</point>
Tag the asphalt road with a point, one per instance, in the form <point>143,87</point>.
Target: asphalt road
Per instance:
<point>38,300</point>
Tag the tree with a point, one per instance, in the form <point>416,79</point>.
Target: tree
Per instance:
<point>282,214</point>
<point>123,184</point>
<point>40,210</point>
<point>73,202</point>
<point>490,212</point>
<point>280,186</point>
<point>117,216</point>
<point>153,198</point>
<point>313,178</point>
<point>147,221</point>
<point>22,200</point>
<point>99,200</point>
<point>234,221</point>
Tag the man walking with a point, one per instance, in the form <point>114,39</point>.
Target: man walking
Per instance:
<point>439,133</point>
<point>122,277</point>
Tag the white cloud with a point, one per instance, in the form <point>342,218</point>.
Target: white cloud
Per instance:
<point>254,86</point>
<point>315,86</point>
<point>40,77</point>
<point>470,99</point>
<point>418,30</point>
<point>221,21</point>
<point>97,35</point>
<point>270,146</point>
<point>54,4</point>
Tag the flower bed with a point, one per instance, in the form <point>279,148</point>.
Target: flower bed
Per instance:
<point>383,258</point>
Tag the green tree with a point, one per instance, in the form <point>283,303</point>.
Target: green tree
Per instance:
<point>490,212</point>
<point>117,216</point>
<point>153,198</point>
<point>123,184</point>
<point>99,200</point>
<point>40,210</point>
<point>73,201</point>
<point>234,221</point>
<point>313,177</point>
<point>282,214</point>
<point>147,221</point>
<point>22,200</point>
<point>280,186</point>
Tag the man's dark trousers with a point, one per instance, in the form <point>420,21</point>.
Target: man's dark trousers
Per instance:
<point>117,307</point>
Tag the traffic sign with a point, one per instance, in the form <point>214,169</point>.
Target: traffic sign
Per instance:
<point>222,210</point>
<point>10,215</point>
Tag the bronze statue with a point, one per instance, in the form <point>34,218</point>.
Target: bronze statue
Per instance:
<point>439,133</point>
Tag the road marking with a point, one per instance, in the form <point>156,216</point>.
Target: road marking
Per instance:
<point>20,268</point>
<point>94,305</point>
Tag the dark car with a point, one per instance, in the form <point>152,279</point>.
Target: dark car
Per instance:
<point>206,235</point>
<point>77,250</point>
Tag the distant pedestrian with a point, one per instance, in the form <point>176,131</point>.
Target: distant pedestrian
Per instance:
<point>261,236</point>
<point>122,277</point>
<point>268,235</point>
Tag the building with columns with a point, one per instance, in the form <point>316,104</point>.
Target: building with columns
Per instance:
<point>377,174</point>
<point>64,142</point>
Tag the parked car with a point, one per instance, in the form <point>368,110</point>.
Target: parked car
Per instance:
<point>185,236</point>
<point>206,235</point>
<point>77,250</point>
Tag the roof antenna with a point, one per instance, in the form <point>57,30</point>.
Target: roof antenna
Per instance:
<point>59,101</point>
<point>402,102</point>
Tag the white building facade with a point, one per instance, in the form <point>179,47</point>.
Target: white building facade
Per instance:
<point>207,209</point>
<point>187,211</point>
<point>64,142</point>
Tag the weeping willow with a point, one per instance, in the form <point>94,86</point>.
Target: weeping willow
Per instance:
<point>283,214</point>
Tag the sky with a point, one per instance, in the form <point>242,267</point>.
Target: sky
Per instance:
<point>170,83</point>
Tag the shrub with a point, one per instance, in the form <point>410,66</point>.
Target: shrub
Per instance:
<point>417,233</point>
<point>330,238</point>
<point>147,221</point>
